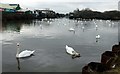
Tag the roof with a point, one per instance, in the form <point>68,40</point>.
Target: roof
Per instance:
<point>23,10</point>
<point>8,6</point>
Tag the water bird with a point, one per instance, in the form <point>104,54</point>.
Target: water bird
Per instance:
<point>41,26</point>
<point>72,52</point>
<point>113,66</point>
<point>71,29</point>
<point>23,54</point>
<point>96,26</point>
<point>83,28</point>
<point>110,25</point>
<point>97,36</point>
<point>50,22</point>
<point>100,20</point>
<point>94,22</point>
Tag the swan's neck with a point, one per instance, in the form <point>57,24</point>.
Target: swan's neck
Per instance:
<point>17,54</point>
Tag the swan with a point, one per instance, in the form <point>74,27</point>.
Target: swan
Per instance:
<point>97,36</point>
<point>72,52</point>
<point>83,27</point>
<point>96,26</point>
<point>23,54</point>
<point>40,26</point>
<point>71,29</point>
<point>113,66</point>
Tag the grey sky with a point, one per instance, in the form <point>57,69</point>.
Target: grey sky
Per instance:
<point>65,6</point>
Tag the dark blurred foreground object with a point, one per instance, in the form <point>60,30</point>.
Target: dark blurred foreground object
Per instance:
<point>94,67</point>
<point>109,61</point>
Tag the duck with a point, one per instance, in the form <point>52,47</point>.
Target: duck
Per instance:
<point>72,52</point>
<point>23,54</point>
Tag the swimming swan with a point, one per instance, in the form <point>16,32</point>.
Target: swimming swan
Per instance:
<point>96,26</point>
<point>97,36</point>
<point>72,52</point>
<point>71,29</point>
<point>23,54</point>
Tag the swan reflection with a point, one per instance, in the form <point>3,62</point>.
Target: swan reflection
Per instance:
<point>24,58</point>
<point>18,63</point>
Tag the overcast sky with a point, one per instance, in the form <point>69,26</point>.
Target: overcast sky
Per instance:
<point>65,6</point>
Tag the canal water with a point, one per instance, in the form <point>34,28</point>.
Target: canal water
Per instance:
<point>49,37</point>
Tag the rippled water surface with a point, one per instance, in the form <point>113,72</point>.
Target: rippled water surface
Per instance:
<point>49,37</point>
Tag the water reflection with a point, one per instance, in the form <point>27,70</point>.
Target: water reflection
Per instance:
<point>14,26</point>
<point>18,63</point>
<point>25,58</point>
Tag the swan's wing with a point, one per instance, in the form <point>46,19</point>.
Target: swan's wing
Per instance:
<point>25,53</point>
<point>70,50</point>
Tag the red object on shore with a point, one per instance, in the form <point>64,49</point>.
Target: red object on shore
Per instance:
<point>1,9</point>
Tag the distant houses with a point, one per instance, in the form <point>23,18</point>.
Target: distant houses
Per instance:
<point>45,13</point>
<point>15,12</point>
<point>14,8</point>
<point>9,7</point>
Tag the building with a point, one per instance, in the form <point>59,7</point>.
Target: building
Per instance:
<point>45,13</point>
<point>119,6</point>
<point>9,7</point>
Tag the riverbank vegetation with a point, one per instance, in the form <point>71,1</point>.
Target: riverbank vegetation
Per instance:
<point>89,14</point>
<point>76,14</point>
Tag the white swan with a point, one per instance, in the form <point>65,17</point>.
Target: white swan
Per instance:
<point>83,28</point>
<point>71,29</point>
<point>72,52</point>
<point>23,54</point>
<point>40,26</point>
<point>114,66</point>
<point>97,36</point>
<point>96,26</point>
